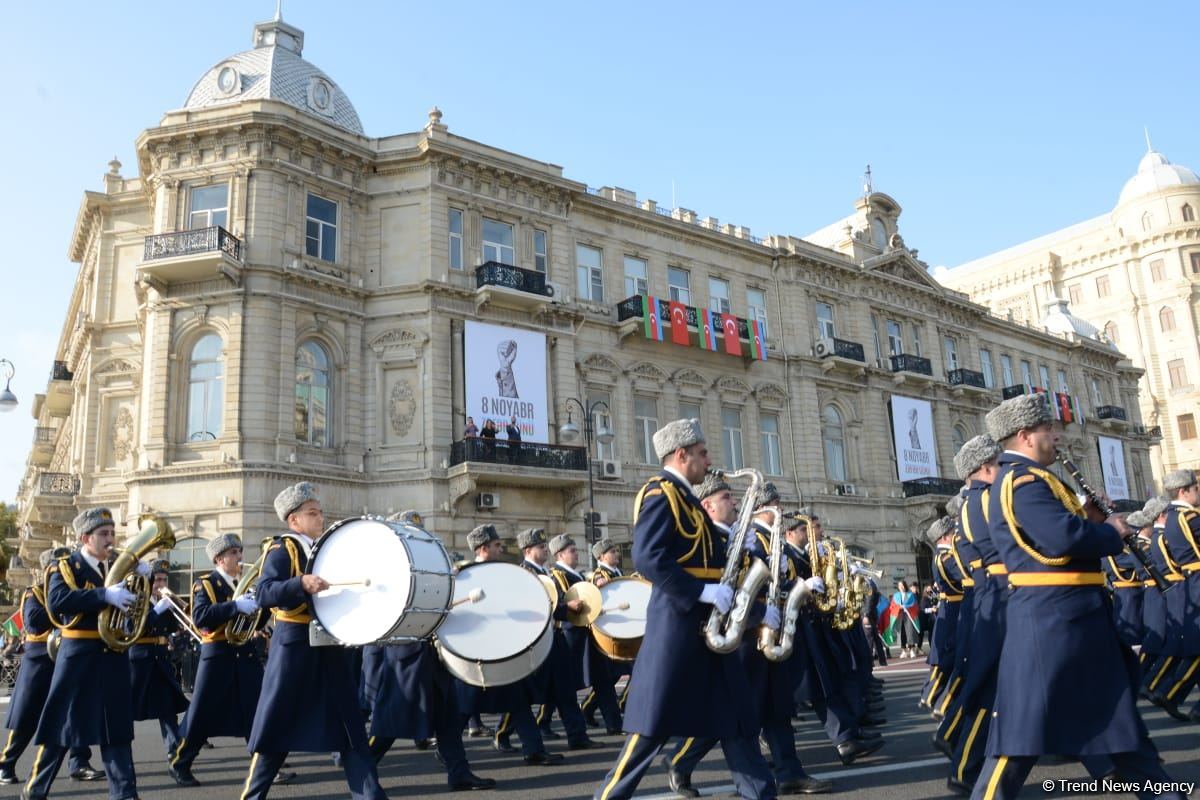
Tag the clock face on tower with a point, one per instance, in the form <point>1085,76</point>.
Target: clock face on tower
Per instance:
<point>320,95</point>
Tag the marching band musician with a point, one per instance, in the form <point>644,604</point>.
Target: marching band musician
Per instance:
<point>605,671</point>
<point>229,678</point>
<point>1066,685</point>
<point>156,691</point>
<point>309,699</point>
<point>1180,544</point>
<point>948,580</point>
<point>33,683</point>
<point>71,718</point>
<point>1128,586</point>
<point>1157,665</point>
<point>679,686</point>
<point>413,696</point>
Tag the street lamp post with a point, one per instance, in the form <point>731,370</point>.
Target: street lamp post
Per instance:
<point>8,400</point>
<point>568,432</point>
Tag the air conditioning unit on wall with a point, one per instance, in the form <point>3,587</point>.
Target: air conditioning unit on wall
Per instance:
<point>823,348</point>
<point>489,500</point>
<point>610,470</point>
<point>558,292</point>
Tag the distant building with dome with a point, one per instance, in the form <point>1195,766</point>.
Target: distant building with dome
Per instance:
<point>270,295</point>
<point>1134,274</point>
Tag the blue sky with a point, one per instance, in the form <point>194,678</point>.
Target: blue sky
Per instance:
<point>989,124</point>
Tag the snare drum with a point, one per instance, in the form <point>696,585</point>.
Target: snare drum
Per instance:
<point>506,635</point>
<point>618,634</point>
<point>409,589</point>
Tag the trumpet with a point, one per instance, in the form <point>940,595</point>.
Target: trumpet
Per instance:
<point>723,632</point>
<point>180,613</point>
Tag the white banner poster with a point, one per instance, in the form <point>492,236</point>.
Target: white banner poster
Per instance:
<point>1112,467</point>
<point>912,430</point>
<point>506,378</point>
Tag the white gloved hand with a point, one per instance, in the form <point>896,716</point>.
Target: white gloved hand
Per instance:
<point>856,569</point>
<point>815,584</point>
<point>162,606</point>
<point>119,597</point>
<point>719,595</point>
<point>772,618</point>
<point>841,606</point>
<point>144,569</point>
<point>245,604</point>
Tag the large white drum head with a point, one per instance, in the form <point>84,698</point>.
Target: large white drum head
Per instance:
<point>358,550</point>
<point>509,619</point>
<point>628,624</point>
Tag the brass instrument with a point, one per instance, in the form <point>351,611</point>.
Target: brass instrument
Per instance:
<point>723,632</point>
<point>120,629</point>
<point>241,627</point>
<point>850,599</point>
<point>180,613</point>
<point>825,568</point>
<point>778,645</point>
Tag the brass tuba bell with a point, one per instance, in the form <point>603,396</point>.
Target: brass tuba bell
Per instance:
<point>120,629</point>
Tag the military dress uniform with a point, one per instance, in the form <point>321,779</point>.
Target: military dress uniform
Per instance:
<point>948,580</point>
<point>156,691</point>
<point>1180,544</point>
<point>605,701</point>
<point>1157,664</point>
<point>1128,595</point>
<point>967,558</point>
<point>581,665</point>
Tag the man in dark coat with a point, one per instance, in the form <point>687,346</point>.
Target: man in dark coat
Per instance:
<point>156,691</point>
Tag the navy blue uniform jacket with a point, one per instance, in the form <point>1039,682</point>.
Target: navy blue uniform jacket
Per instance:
<point>156,691</point>
<point>33,678</point>
<point>1181,541</point>
<point>229,679</point>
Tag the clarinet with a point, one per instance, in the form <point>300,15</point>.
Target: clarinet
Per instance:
<point>1106,508</point>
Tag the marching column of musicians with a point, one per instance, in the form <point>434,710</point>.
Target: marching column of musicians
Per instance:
<point>1043,597</point>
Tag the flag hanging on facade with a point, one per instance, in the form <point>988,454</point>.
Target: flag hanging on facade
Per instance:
<point>758,341</point>
<point>679,327</point>
<point>650,318</point>
<point>708,336</point>
<point>729,329</point>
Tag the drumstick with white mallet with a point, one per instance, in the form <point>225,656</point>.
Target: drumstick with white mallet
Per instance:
<point>474,596</point>
<point>622,606</point>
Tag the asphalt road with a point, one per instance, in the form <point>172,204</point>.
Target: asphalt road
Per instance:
<point>905,769</point>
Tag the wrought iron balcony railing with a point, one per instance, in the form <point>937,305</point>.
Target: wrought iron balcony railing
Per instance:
<point>62,484</point>
<point>1009,392</point>
<point>921,486</point>
<point>907,363</point>
<point>44,435</point>
<point>966,377</point>
<point>1110,412</point>
<point>494,273</point>
<point>60,372</point>
<point>521,454</point>
<point>842,348</point>
<point>187,243</point>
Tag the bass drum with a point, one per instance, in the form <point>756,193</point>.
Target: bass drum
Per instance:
<point>397,582</point>
<point>506,635</point>
<point>618,633</point>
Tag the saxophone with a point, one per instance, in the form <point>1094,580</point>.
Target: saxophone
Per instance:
<point>723,632</point>
<point>241,627</point>
<point>120,629</point>
<point>778,645</point>
<point>849,600</point>
<point>825,568</point>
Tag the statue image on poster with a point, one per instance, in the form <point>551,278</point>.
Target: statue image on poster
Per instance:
<point>914,437</point>
<point>506,381</point>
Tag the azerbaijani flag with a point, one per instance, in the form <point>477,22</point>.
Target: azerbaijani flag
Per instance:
<point>899,606</point>
<point>650,318</point>
<point>679,326</point>
<point>729,329</point>
<point>14,625</point>
<point>708,336</point>
<point>758,342</point>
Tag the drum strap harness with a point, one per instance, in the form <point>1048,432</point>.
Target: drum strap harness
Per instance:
<point>300,613</point>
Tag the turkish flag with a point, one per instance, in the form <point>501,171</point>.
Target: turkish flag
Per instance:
<point>733,343</point>
<point>679,328</point>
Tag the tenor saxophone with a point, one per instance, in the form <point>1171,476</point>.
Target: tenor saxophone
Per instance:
<point>825,568</point>
<point>778,645</point>
<point>723,632</point>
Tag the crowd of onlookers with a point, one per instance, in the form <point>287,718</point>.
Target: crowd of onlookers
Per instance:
<point>913,633</point>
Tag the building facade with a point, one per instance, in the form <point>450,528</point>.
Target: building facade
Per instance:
<point>1135,273</point>
<point>278,297</point>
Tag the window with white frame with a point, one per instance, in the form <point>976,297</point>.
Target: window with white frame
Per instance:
<point>208,206</point>
<point>1102,286</point>
<point>1157,273</point>
<point>1026,373</point>
<point>833,441</point>
<point>589,272</point>
<point>875,337</point>
<point>718,296</point>
<point>1062,382</point>
<point>1177,373</point>
<point>950,344</point>
<point>1097,394</point>
<point>1166,319</point>
<point>1044,374</point>
<point>895,339</point>
<point>985,366</point>
<point>312,395</point>
<point>1006,370</point>
<point>731,431</point>
<point>689,410</point>
<point>455,224</point>
<point>958,437</point>
<point>540,259</point>
<point>1075,294</point>
<point>825,328</point>
<point>636,281</point>
<point>645,423</point>
<point>498,242</point>
<point>916,339</point>
<point>206,389</point>
<point>320,228</point>
<point>602,418</point>
<point>680,285</point>
<point>756,307</point>
<point>772,457</point>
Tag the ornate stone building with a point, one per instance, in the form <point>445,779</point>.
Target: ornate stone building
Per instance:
<point>1135,272</point>
<point>276,296</point>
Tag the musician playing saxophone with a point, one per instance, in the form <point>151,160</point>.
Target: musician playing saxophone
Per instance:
<point>102,714</point>
<point>679,686</point>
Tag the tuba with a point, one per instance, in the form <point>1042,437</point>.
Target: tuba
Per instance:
<point>120,629</point>
<point>777,645</point>
<point>825,568</point>
<point>242,626</point>
<point>723,632</point>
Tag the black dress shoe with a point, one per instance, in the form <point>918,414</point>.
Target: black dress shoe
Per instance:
<point>805,785</point>
<point>182,776</point>
<point>480,733</point>
<point>1194,716</point>
<point>424,744</point>
<point>548,733</point>
<point>1173,709</point>
<point>937,716</point>
<point>472,781</point>
<point>503,744</point>
<point>941,745</point>
<point>283,777</point>
<point>854,749</point>
<point>679,783</point>
<point>958,787</point>
<point>544,759</point>
<point>87,774</point>
<point>585,743</point>
<point>8,776</point>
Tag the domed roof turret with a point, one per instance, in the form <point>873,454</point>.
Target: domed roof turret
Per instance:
<point>1155,173</point>
<point>274,70</point>
<point>1060,320</point>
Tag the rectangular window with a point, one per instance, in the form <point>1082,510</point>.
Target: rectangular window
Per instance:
<point>916,339</point>
<point>985,366</point>
<point>756,306</point>
<point>1156,270</point>
<point>1097,396</point>
<point>1102,286</point>
<point>1075,294</point>
<point>635,277</point>
<point>731,430</point>
<point>604,452</point>
<point>540,262</point>
<point>589,270</point>
<point>875,338</point>
<point>951,347</point>
<point>679,283</point>
<point>688,410</point>
<point>1006,371</point>
<point>320,228</point>
<point>895,342</point>
<point>825,329</point>
<point>645,423</point>
<point>1062,382</point>
<point>718,296</point>
<point>1187,426</point>
<point>771,456</point>
<point>1195,263</point>
<point>498,242</point>
<point>1044,374</point>
<point>1026,373</point>
<point>1177,372</point>
<point>209,206</point>
<point>456,238</point>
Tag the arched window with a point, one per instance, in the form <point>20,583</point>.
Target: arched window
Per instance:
<point>958,436</point>
<point>188,562</point>
<point>1147,221</point>
<point>879,233</point>
<point>1110,333</point>
<point>312,395</point>
<point>1188,214</point>
<point>833,438</point>
<point>1166,319</point>
<point>206,389</point>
